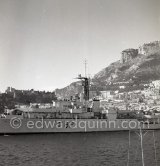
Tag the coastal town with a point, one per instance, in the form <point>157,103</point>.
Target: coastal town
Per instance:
<point>79,83</point>
<point>128,85</point>
<point>147,99</point>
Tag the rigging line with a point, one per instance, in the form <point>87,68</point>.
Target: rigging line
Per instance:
<point>145,133</point>
<point>142,146</point>
<point>155,150</point>
<point>129,143</point>
<point>137,133</point>
<point>139,136</point>
<point>136,153</point>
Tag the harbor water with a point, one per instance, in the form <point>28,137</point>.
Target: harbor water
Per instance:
<point>79,149</point>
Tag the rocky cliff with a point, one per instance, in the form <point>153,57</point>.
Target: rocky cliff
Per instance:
<point>149,48</point>
<point>142,63</point>
<point>129,54</point>
<point>141,68</point>
<point>134,67</point>
<point>71,90</point>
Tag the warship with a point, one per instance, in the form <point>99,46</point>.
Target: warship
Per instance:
<point>74,116</point>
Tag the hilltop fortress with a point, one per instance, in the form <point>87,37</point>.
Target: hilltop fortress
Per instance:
<point>146,49</point>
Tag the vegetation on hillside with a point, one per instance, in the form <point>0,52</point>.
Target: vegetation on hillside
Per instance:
<point>10,99</point>
<point>141,70</point>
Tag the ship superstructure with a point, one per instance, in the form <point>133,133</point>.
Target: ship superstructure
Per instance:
<point>74,116</point>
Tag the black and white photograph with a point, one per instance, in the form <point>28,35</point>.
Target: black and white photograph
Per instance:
<point>79,82</point>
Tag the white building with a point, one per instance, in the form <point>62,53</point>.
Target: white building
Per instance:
<point>106,94</point>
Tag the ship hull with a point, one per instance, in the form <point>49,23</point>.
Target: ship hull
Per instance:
<point>22,126</point>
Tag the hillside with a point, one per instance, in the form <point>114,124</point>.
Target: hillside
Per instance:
<point>136,67</point>
<point>142,68</point>
<point>71,90</point>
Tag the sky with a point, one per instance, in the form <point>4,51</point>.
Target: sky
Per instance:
<point>43,43</point>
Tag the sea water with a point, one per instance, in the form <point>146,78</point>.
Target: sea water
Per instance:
<point>79,149</point>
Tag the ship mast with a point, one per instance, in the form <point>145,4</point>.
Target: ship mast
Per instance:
<point>85,83</point>
<point>85,63</point>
